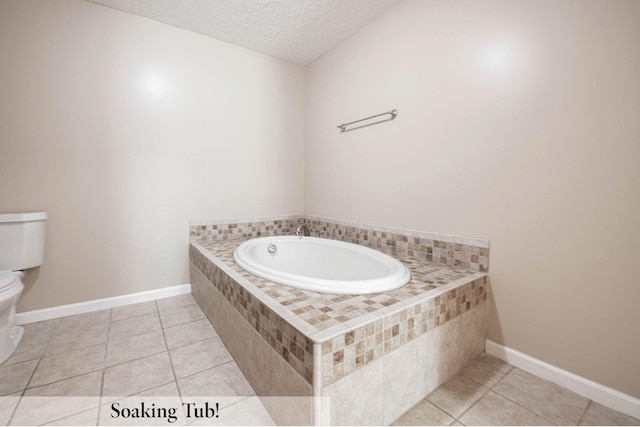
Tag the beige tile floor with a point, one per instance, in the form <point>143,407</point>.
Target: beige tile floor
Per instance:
<point>163,353</point>
<point>489,391</point>
<point>70,370</point>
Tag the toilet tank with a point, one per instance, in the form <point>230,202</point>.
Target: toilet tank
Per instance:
<point>21,240</point>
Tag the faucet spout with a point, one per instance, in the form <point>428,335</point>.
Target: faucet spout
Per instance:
<point>304,229</point>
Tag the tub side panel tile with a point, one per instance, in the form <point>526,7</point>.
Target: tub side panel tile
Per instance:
<point>405,378</point>
<point>454,344</point>
<point>356,399</point>
<point>284,393</point>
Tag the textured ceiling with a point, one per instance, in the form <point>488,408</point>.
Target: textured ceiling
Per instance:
<point>294,30</point>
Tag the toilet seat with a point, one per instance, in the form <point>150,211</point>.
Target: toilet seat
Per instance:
<point>7,279</point>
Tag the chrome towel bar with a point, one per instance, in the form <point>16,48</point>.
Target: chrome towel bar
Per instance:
<point>392,113</point>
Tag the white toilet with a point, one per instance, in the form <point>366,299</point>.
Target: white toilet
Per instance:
<point>21,247</point>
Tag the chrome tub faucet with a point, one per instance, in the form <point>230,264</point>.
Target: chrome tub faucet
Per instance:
<point>304,229</point>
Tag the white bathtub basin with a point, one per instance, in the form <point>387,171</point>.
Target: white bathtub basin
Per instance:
<point>321,265</point>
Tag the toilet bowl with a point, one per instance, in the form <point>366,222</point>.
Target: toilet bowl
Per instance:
<point>10,335</point>
<point>21,248</point>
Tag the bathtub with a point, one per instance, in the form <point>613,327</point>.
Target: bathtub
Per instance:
<point>343,359</point>
<point>321,265</point>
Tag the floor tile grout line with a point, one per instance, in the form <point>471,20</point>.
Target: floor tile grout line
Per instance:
<point>584,412</point>
<point>426,398</point>
<point>484,385</point>
<point>173,308</point>
<point>73,415</point>
<point>524,407</point>
<point>168,350</point>
<point>195,342</point>
<point>31,359</point>
<point>132,317</point>
<point>244,399</point>
<point>211,367</point>
<point>43,385</point>
<point>134,360</point>
<point>124,337</point>
<point>26,386</point>
<point>529,409</point>
<point>63,379</point>
<point>207,369</point>
<point>487,390</point>
<point>155,386</point>
<point>191,321</point>
<point>15,409</point>
<point>46,356</point>
<point>166,345</point>
<point>473,403</point>
<point>137,393</point>
<point>104,368</point>
<point>500,394</point>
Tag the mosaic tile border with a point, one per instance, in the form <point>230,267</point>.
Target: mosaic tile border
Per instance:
<point>346,346</point>
<point>447,249</point>
<point>456,251</point>
<point>227,229</point>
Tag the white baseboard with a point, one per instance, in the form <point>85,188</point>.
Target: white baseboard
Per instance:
<point>100,304</point>
<point>597,392</point>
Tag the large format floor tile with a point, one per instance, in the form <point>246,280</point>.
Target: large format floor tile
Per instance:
<point>15,377</point>
<point>134,326</point>
<point>555,403</point>
<point>457,395</point>
<point>66,365</point>
<point>68,371</point>
<point>135,347</point>
<point>425,413</point>
<point>58,400</point>
<point>189,333</point>
<point>489,391</point>
<point>199,356</point>
<point>138,375</point>
<point>599,415</point>
<point>493,409</point>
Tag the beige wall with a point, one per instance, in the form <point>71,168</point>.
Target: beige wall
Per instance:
<point>518,122</point>
<point>123,130</point>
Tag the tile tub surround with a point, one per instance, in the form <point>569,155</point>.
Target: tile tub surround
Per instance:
<point>323,337</point>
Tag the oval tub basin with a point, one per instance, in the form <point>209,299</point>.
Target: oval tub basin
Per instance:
<point>321,265</point>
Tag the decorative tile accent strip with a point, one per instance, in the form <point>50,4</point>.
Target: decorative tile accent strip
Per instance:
<point>224,229</point>
<point>456,251</point>
<point>366,327</point>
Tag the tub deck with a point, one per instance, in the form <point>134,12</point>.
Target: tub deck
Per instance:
<point>316,312</point>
